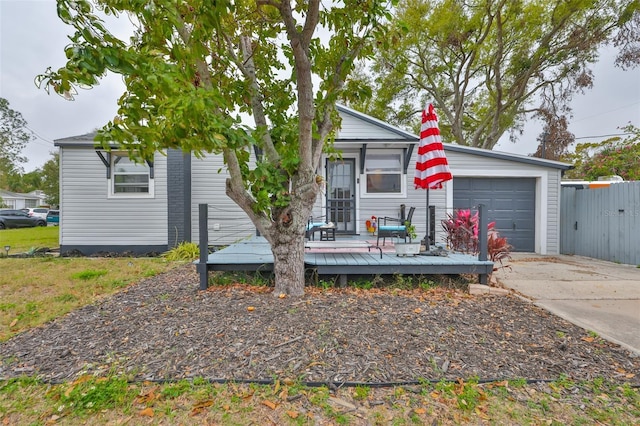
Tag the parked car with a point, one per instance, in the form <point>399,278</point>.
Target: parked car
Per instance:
<point>53,217</point>
<point>38,212</point>
<point>19,219</point>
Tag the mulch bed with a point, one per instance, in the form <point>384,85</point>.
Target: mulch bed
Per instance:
<point>164,328</point>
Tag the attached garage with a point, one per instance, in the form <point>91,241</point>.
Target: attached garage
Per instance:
<point>521,194</point>
<point>511,203</point>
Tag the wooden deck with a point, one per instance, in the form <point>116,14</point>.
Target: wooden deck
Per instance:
<point>254,254</point>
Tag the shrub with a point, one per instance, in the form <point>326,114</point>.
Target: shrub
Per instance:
<point>461,228</point>
<point>184,251</point>
<point>498,247</point>
<point>462,231</point>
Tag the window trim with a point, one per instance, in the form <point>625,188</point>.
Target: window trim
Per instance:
<point>401,171</point>
<point>111,173</point>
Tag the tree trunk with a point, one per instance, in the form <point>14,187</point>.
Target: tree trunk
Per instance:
<point>288,255</point>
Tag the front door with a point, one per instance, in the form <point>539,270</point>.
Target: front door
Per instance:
<point>341,194</point>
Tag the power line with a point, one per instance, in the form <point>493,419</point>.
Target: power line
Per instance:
<point>601,113</point>
<point>42,141</point>
<point>604,136</point>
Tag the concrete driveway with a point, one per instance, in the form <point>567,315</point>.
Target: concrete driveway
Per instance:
<point>596,295</point>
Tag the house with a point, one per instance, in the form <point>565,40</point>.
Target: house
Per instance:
<point>111,204</point>
<point>14,200</point>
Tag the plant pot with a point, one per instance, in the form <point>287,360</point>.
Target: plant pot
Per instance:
<point>407,249</point>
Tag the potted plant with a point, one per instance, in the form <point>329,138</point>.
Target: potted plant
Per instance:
<point>412,247</point>
<point>411,230</point>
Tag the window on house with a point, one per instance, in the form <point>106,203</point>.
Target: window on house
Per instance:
<point>383,172</point>
<point>129,178</point>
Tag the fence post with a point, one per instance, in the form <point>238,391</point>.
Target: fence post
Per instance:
<point>203,222</point>
<point>482,239</point>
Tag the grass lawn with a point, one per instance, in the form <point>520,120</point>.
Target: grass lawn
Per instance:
<point>24,239</point>
<point>36,290</point>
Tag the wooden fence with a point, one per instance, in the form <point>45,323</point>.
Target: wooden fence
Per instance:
<point>603,223</point>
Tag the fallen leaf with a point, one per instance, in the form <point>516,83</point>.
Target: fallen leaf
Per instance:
<point>146,397</point>
<point>13,323</point>
<point>250,308</point>
<point>417,310</point>
<point>203,404</point>
<point>269,404</point>
<point>70,389</point>
<point>293,414</point>
<point>284,394</point>
<point>588,339</point>
<point>147,412</point>
<point>51,421</point>
<point>482,414</point>
<point>200,406</point>
<point>282,295</point>
<point>420,411</point>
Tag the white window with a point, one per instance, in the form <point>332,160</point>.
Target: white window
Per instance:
<point>383,173</point>
<point>130,178</point>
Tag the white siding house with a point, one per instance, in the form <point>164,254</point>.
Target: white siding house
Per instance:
<point>94,217</point>
<point>15,200</point>
<point>373,177</point>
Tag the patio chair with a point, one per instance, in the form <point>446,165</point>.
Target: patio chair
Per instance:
<point>392,227</point>
<point>327,229</point>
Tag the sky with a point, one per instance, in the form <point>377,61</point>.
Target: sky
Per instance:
<point>32,38</point>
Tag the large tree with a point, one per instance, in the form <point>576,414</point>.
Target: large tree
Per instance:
<point>14,136</point>
<point>490,64</point>
<point>193,66</point>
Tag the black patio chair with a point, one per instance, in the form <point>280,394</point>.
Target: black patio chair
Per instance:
<point>391,227</point>
<point>327,229</point>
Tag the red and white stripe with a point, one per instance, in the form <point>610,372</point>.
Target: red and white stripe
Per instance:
<point>432,168</point>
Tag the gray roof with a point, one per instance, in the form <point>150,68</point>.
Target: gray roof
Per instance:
<point>9,194</point>
<point>507,156</point>
<point>80,140</point>
<point>411,138</point>
<point>86,140</point>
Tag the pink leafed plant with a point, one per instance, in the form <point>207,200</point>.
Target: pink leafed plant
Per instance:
<point>461,229</point>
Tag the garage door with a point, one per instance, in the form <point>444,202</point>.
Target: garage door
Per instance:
<point>511,203</point>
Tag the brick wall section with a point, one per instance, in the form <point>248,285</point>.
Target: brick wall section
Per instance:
<point>178,197</point>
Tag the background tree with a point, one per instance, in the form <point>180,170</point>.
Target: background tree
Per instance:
<point>490,64</point>
<point>13,178</point>
<point>14,136</point>
<point>192,66</point>
<point>51,180</point>
<point>555,140</point>
<point>614,156</point>
<point>30,181</point>
<point>10,175</point>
